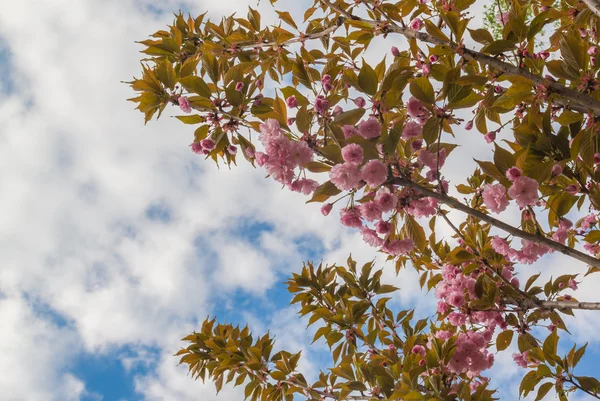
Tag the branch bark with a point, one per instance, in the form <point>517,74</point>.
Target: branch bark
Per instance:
<point>588,103</point>
<point>569,305</point>
<point>453,203</point>
<point>593,5</point>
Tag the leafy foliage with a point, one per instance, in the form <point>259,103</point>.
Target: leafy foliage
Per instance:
<point>380,130</point>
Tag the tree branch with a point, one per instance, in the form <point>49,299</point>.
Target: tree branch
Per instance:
<point>538,239</point>
<point>593,5</point>
<point>584,100</point>
<point>569,305</point>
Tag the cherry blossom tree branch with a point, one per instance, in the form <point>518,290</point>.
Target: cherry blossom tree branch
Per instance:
<point>589,104</point>
<point>569,305</point>
<point>538,239</point>
<point>593,5</point>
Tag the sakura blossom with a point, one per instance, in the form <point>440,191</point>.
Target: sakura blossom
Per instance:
<point>524,191</point>
<point>349,131</point>
<point>398,247</point>
<point>411,130</point>
<point>345,176</point>
<point>494,197</point>
<point>374,173</point>
<point>370,128</point>
<point>184,104</point>
<point>351,217</point>
<point>353,153</point>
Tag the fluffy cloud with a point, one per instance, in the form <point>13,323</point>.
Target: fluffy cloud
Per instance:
<point>124,235</point>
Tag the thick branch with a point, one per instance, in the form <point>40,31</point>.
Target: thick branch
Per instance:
<point>593,5</point>
<point>453,203</point>
<point>569,305</point>
<point>584,100</point>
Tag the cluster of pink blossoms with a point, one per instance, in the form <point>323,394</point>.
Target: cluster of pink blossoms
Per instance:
<point>524,191</point>
<point>471,356</point>
<point>372,212</point>
<point>282,155</point>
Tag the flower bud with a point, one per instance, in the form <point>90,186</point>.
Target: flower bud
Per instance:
<point>395,51</point>
<point>326,208</point>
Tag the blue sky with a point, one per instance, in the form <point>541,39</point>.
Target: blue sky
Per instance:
<point>117,240</point>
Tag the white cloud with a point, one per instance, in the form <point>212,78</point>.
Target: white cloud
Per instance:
<point>79,172</point>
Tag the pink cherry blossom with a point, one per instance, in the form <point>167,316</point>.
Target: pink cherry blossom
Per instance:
<point>494,197</point>
<point>349,131</point>
<point>399,247</point>
<point>469,125</point>
<point>588,221</point>
<point>395,51</point>
<point>353,153</point>
<point>184,104</point>
<point>415,108</point>
<point>593,50</point>
<point>370,211</point>
<point>500,245</point>
<point>422,207</point>
<point>374,173</point>
<point>261,158</point>
<point>443,334</point>
<point>370,237</point>
<point>239,86</point>
<point>490,136</point>
<point>321,104</point>
<point>360,102</point>
<point>196,147</point>
<point>292,102</point>
<point>411,130</point>
<point>345,176</point>
<point>208,144</point>
<point>521,359</point>
<point>416,24</point>
<point>337,110</point>
<point>304,185</point>
<point>386,200</point>
<point>419,349</point>
<point>370,128</point>
<point>326,209</point>
<point>513,173</point>
<point>383,227</point>
<point>557,169</point>
<point>416,144</point>
<point>430,159</point>
<point>524,191</point>
<point>351,217</point>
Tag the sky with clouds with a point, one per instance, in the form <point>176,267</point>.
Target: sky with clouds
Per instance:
<point>117,241</point>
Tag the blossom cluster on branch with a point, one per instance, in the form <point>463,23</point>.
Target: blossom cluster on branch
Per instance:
<point>372,141</point>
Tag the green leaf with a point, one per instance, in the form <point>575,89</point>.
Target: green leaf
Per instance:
<point>572,51</point>
<point>367,79</point>
<point>498,47</point>
<point>286,17</point>
<point>324,192</point>
<point>543,390</point>
<point>349,117</point>
<point>299,72</point>
<point>482,36</point>
<point>504,339</point>
<point>166,74</point>
<point>415,232</point>
<point>422,89</point>
<point>431,130</point>
<point>503,159</point>
<point>589,383</point>
<point>550,346</point>
<point>191,119</point>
